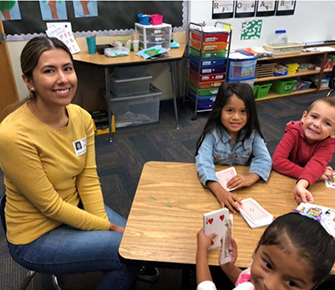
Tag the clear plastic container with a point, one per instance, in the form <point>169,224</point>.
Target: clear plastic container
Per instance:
<point>281,36</point>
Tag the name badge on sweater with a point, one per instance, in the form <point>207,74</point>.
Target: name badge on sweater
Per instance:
<point>80,146</point>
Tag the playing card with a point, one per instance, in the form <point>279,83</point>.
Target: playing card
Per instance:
<point>330,182</point>
<point>254,214</point>
<point>224,176</point>
<point>226,251</point>
<point>214,222</point>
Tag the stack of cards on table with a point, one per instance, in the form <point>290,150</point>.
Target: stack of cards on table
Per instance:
<point>330,182</point>
<point>254,214</point>
<point>220,222</point>
<point>325,215</point>
<point>224,176</point>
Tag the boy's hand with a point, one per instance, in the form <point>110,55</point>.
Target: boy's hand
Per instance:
<point>328,173</point>
<point>225,198</point>
<point>204,241</point>
<point>301,194</point>
<point>228,267</point>
<point>240,180</point>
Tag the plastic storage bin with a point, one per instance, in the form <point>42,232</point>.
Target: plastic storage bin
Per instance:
<point>206,85</point>
<point>262,90</point>
<point>136,109</point>
<point>242,68</point>
<point>324,81</point>
<point>133,86</point>
<point>209,69</point>
<point>207,77</point>
<point>146,32</point>
<point>284,48</point>
<point>208,61</point>
<point>283,87</point>
<point>156,19</point>
<point>208,54</point>
<point>209,46</point>
<point>143,19</point>
<point>209,37</point>
<point>127,72</point>
<point>249,81</point>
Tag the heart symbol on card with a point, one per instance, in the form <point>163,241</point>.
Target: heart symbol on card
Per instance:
<point>222,217</point>
<point>210,220</point>
<point>212,243</point>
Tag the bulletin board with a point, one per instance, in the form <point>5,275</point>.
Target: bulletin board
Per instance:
<point>113,18</point>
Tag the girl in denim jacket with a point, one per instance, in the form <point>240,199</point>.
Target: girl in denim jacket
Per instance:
<point>232,136</point>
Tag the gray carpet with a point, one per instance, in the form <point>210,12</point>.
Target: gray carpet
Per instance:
<point>120,164</point>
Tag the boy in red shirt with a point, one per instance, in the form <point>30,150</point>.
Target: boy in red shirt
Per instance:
<point>307,147</point>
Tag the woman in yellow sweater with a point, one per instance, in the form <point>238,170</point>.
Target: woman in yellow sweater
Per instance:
<point>55,213</point>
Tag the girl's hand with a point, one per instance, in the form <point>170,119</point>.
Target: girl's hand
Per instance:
<point>225,198</point>
<point>239,180</point>
<point>228,267</point>
<point>204,241</point>
<point>301,194</point>
<point>116,228</point>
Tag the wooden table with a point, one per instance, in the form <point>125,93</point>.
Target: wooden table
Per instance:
<point>110,63</point>
<point>169,204</point>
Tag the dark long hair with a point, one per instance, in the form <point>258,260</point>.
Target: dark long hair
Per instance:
<point>30,56</point>
<point>308,237</point>
<point>244,92</point>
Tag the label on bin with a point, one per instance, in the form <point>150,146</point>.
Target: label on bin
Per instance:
<point>205,78</point>
<point>158,31</point>
<point>206,70</point>
<point>220,77</point>
<point>208,62</point>
<point>288,87</point>
<point>210,39</point>
<point>210,47</point>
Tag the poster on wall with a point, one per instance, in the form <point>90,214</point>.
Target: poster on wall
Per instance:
<point>10,10</point>
<point>265,8</point>
<point>222,9</point>
<point>85,8</point>
<point>53,10</point>
<point>251,29</point>
<point>285,8</point>
<point>245,9</point>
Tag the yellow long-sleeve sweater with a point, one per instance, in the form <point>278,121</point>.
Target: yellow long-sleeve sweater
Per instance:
<point>46,174</point>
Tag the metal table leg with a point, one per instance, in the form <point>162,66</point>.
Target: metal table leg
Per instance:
<point>108,97</point>
<point>171,64</point>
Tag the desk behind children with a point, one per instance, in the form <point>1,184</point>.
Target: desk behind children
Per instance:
<point>110,63</point>
<point>169,204</point>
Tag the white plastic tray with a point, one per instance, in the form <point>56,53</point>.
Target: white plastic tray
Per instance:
<point>284,48</point>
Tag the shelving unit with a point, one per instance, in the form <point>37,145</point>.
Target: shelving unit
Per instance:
<point>299,58</point>
<point>207,58</point>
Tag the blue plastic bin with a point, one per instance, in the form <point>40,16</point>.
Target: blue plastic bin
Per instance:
<point>143,19</point>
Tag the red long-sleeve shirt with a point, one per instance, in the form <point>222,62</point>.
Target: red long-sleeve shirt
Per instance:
<point>297,158</point>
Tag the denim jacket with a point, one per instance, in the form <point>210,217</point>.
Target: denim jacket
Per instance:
<point>225,151</point>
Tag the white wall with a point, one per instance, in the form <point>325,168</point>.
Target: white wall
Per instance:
<point>312,21</point>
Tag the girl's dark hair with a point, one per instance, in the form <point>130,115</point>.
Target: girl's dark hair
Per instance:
<point>244,92</point>
<point>30,56</point>
<point>307,237</point>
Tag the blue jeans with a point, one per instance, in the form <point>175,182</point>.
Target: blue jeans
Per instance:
<point>66,250</point>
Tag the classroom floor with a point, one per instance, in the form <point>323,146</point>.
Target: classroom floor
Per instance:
<point>119,167</point>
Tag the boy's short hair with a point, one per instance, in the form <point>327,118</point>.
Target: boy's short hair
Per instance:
<point>329,100</point>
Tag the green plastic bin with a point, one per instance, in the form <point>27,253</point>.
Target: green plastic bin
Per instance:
<point>204,92</point>
<point>255,89</point>
<point>263,90</point>
<point>283,87</point>
<point>209,54</point>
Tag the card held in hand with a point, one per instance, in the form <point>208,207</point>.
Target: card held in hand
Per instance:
<point>224,176</point>
<point>220,222</point>
<point>254,214</point>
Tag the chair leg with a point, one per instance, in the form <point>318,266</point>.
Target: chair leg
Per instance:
<point>55,282</point>
<point>27,280</point>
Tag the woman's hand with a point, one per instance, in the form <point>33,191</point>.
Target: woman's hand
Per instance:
<point>116,228</point>
<point>204,241</point>
<point>225,198</point>
<point>239,180</point>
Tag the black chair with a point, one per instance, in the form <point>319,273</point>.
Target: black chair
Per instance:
<point>30,273</point>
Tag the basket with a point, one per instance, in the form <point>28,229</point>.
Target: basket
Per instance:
<point>263,90</point>
<point>283,87</point>
<point>156,19</point>
<point>284,48</point>
<point>143,19</point>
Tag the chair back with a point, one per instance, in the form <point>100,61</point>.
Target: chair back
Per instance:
<point>2,211</point>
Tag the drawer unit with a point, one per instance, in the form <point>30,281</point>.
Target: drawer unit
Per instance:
<point>208,77</point>
<point>205,85</point>
<point>209,45</point>
<point>208,61</point>
<point>152,35</point>
<point>209,37</point>
<point>208,54</point>
<point>209,69</point>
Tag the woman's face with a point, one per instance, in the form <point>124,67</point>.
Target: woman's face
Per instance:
<point>54,79</point>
